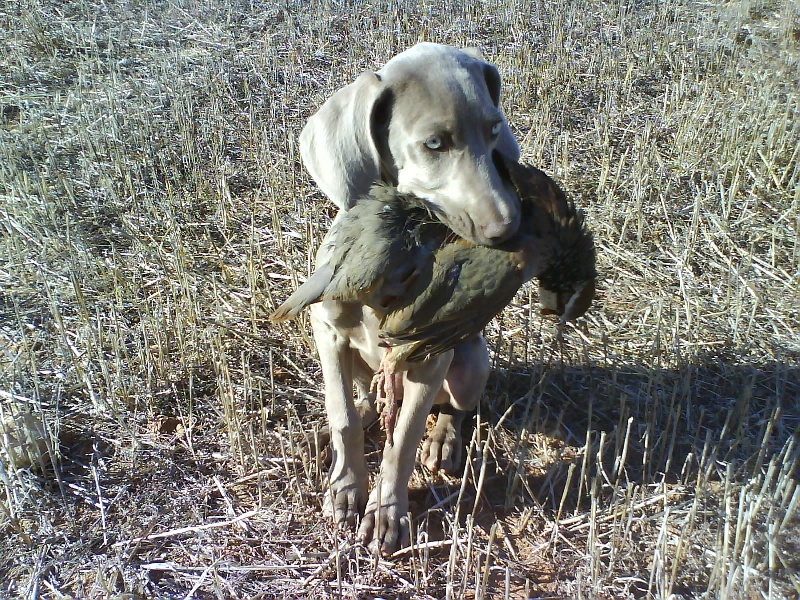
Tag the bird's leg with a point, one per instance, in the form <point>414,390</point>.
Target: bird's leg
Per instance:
<point>385,385</point>
<point>389,415</point>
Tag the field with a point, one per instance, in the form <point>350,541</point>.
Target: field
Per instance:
<point>154,210</point>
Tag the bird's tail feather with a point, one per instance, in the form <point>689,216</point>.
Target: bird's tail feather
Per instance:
<point>308,293</point>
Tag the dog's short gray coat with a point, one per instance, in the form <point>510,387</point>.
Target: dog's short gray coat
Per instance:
<point>429,122</point>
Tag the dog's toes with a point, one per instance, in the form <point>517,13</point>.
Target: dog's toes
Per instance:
<point>384,532</point>
<point>343,507</point>
<point>442,449</point>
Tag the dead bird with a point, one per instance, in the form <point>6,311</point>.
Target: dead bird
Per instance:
<point>471,284</point>
<point>435,289</point>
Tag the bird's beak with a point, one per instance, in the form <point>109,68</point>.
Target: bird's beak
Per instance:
<point>567,305</point>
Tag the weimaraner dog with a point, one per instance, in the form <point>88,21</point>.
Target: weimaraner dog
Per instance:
<point>430,123</point>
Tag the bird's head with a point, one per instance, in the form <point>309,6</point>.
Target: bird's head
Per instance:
<point>562,247</point>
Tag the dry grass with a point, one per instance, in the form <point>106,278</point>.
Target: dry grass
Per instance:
<point>154,209</point>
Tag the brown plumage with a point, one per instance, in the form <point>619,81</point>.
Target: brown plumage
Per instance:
<point>436,290</point>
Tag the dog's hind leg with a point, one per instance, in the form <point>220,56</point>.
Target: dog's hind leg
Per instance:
<point>462,390</point>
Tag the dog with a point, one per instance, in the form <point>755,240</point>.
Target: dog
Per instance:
<point>430,123</point>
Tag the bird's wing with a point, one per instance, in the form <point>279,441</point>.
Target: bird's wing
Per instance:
<point>385,249</point>
<point>373,253</point>
<point>438,337</point>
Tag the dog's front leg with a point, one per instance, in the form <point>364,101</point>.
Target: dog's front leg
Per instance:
<point>385,525</point>
<point>348,472</point>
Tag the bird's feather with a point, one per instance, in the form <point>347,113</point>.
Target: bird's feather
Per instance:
<point>310,292</point>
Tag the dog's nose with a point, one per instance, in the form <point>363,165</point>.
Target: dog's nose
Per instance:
<point>499,231</point>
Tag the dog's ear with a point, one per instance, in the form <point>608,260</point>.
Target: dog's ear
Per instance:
<point>506,143</point>
<point>337,144</point>
<point>379,129</point>
<point>492,77</point>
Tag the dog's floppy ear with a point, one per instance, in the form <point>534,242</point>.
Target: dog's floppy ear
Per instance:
<point>337,144</point>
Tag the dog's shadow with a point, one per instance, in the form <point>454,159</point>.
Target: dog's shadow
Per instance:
<point>551,440</point>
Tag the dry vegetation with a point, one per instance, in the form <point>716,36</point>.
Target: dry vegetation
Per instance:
<point>153,209</point>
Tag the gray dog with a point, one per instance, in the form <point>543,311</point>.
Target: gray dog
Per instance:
<point>430,123</point>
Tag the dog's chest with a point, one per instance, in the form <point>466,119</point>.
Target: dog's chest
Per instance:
<point>360,325</point>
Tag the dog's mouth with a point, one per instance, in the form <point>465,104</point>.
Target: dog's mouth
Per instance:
<point>460,225</point>
<point>453,224</point>
<point>464,227</point>
<point>501,161</point>
<point>483,212</point>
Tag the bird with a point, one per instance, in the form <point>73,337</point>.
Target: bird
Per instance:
<point>471,284</point>
<point>435,289</point>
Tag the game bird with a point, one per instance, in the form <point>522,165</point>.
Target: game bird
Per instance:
<point>435,289</point>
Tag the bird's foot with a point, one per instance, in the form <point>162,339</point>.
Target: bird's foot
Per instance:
<point>377,383</point>
<point>389,414</point>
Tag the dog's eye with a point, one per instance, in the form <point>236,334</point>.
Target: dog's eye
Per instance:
<point>434,143</point>
<point>497,127</point>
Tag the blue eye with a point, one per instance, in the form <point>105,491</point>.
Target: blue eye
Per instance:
<point>497,127</point>
<point>434,142</point>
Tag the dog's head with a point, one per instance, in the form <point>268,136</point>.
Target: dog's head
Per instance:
<point>429,122</point>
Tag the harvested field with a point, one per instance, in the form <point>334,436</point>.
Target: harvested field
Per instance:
<point>153,211</point>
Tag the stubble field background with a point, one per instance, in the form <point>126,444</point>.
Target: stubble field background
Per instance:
<point>153,210</point>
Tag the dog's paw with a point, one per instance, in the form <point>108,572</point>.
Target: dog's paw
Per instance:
<point>344,506</point>
<point>385,530</point>
<point>443,446</point>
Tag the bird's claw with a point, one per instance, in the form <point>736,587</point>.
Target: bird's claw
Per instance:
<point>377,383</point>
